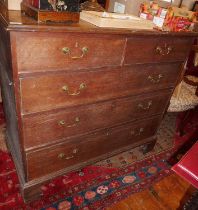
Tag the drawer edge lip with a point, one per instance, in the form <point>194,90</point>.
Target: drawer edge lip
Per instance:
<point>70,139</point>
<point>46,178</point>
<point>25,74</point>
<point>175,61</point>
<point>95,30</point>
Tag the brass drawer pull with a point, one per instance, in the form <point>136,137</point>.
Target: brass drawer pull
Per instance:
<point>137,133</point>
<point>77,120</point>
<point>62,156</point>
<point>65,88</point>
<point>165,50</point>
<point>67,51</point>
<point>155,80</point>
<point>145,107</point>
<point>62,122</point>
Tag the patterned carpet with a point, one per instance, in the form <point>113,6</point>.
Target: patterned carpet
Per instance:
<point>96,186</point>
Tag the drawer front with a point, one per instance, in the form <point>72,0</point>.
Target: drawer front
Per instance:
<point>81,150</point>
<point>156,49</point>
<point>68,89</point>
<point>57,125</point>
<point>149,77</point>
<point>41,51</point>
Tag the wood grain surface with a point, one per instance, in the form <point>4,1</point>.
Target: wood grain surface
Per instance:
<point>168,194</point>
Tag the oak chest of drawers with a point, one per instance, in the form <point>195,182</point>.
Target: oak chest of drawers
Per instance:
<point>74,95</point>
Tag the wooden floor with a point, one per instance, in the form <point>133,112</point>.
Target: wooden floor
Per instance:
<point>168,194</point>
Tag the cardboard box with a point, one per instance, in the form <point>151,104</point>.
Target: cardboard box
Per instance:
<point>12,4</point>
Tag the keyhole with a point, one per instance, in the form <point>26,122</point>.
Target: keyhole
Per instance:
<point>76,45</point>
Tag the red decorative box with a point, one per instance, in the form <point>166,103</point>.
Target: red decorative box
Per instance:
<point>179,19</point>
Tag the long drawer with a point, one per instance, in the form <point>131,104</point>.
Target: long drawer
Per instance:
<point>52,91</point>
<point>60,51</point>
<point>158,49</point>
<point>80,150</point>
<point>45,128</point>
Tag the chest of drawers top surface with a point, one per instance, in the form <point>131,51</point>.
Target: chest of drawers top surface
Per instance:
<point>14,20</point>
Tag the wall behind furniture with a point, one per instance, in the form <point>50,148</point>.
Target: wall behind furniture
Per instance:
<point>188,3</point>
<point>132,6</point>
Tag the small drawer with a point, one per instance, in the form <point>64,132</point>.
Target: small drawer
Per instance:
<point>146,78</point>
<point>63,90</point>
<point>156,49</point>
<point>83,150</point>
<point>41,51</point>
<point>53,126</point>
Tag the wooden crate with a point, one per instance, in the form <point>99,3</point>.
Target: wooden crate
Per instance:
<point>46,15</point>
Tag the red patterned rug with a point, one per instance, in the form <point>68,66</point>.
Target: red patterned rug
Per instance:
<point>99,185</point>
